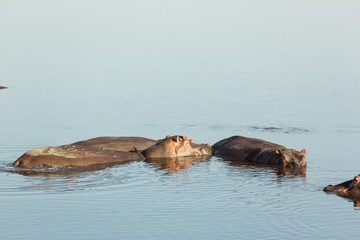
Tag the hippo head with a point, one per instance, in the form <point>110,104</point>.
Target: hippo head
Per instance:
<point>290,158</point>
<point>176,146</point>
<point>355,184</point>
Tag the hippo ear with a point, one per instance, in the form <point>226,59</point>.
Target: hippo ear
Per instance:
<point>303,152</point>
<point>278,151</point>
<point>356,179</point>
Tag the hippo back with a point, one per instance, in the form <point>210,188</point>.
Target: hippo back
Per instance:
<point>259,151</point>
<point>124,144</point>
<point>242,147</point>
<point>101,150</point>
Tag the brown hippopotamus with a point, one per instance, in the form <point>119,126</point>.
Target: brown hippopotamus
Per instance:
<point>259,151</point>
<point>349,189</point>
<point>176,146</point>
<point>106,150</point>
<point>84,153</point>
<point>1,87</point>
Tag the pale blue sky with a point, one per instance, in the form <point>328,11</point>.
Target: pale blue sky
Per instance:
<point>158,39</point>
<point>183,62</point>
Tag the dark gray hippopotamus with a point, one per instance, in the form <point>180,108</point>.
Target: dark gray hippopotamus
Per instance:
<point>259,151</point>
<point>104,150</point>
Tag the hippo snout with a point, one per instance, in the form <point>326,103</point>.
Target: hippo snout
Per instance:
<point>297,165</point>
<point>206,149</point>
<point>292,165</point>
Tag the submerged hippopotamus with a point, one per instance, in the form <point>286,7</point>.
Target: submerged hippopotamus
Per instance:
<point>349,189</point>
<point>176,146</point>
<point>259,151</point>
<point>104,150</point>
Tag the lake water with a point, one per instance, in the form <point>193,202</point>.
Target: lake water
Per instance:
<point>287,72</point>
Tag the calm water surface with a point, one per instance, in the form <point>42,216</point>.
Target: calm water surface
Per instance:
<point>82,69</point>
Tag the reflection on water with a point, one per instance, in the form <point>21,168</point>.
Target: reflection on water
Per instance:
<point>53,170</point>
<point>279,170</point>
<point>170,165</point>
<point>62,179</point>
<point>175,165</point>
<point>74,178</point>
<point>353,197</point>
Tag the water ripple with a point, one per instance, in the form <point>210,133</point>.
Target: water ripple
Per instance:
<point>54,179</point>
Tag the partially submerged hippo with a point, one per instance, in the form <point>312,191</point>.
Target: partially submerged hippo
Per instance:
<point>259,151</point>
<point>1,87</point>
<point>349,189</point>
<point>176,146</point>
<point>106,150</point>
<point>93,151</point>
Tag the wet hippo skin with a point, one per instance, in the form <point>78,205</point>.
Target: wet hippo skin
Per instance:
<point>176,146</point>
<point>124,144</point>
<point>100,150</point>
<point>259,151</point>
<point>105,150</point>
<point>349,188</point>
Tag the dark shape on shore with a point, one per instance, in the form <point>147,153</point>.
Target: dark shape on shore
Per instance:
<point>259,151</point>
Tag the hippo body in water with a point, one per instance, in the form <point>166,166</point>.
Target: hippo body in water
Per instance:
<point>350,189</point>
<point>100,150</point>
<point>259,151</point>
<point>176,146</point>
<point>1,87</point>
<point>105,150</point>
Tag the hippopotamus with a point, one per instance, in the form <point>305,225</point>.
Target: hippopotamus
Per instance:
<point>259,151</point>
<point>1,87</point>
<point>176,146</point>
<point>104,150</point>
<point>349,189</point>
